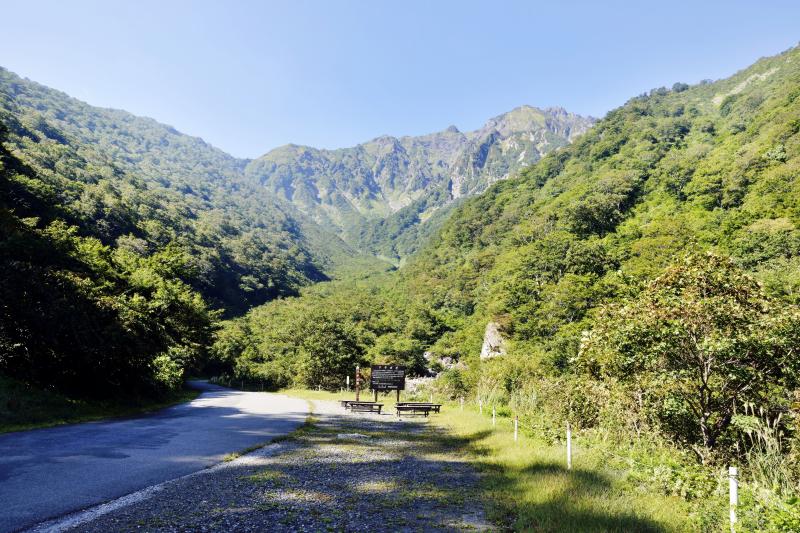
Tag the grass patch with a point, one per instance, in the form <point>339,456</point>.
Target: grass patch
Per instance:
<point>388,400</point>
<point>527,486</point>
<point>244,451</point>
<point>24,407</point>
<point>272,477</point>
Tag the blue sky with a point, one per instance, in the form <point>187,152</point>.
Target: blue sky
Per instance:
<point>248,76</point>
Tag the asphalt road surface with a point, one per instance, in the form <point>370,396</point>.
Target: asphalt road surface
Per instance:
<point>45,473</point>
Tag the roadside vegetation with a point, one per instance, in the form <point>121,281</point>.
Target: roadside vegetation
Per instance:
<point>24,407</point>
<point>528,487</point>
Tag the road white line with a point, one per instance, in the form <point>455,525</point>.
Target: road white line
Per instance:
<point>71,520</point>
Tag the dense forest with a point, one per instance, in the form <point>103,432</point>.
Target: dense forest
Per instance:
<point>123,241</point>
<point>645,279</point>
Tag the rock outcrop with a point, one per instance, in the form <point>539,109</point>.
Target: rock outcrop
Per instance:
<point>493,342</point>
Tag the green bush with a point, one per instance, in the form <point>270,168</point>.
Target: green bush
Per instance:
<point>167,373</point>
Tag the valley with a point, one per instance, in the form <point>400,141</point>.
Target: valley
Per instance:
<point>629,284</point>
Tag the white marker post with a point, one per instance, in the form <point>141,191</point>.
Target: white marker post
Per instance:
<point>494,416</point>
<point>480,406</point>
<point>462,403</point>
<point>569,447</point>
<point>348,383</point>
<point>733,485</point>
<point>516,428</point>
<point>431,397</point>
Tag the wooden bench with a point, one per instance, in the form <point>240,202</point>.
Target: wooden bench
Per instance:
<point>366,407</point>
<point>414,409</point>
<point>435,407</point>
<point>346,403</point>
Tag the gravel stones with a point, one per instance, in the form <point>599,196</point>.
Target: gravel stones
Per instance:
<point>343,472</point>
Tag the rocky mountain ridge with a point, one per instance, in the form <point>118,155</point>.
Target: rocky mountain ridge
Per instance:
<point>354,189</point>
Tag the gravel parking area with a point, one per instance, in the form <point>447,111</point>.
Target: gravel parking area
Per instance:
<point>341,472</point>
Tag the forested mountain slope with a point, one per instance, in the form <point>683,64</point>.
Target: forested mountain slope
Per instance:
<point>119,236</point>
<point>708,167</point>
<point>135,183</point>
<point>379,192</point>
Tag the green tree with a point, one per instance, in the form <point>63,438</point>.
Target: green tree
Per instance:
<point>329,349</point>
<point>699,340</point>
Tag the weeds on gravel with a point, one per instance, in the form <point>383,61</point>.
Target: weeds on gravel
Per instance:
<point>235,455</point>
<point>273,477</point>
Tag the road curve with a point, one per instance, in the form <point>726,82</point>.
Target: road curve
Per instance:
<point>49,472</point>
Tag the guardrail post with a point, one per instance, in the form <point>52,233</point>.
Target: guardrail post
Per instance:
<point>733,488</point>
<point>516,428</point>
<point>569,447</point>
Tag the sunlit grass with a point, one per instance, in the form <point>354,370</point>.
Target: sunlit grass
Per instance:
<point>528,486</point>
<point>366,396</point>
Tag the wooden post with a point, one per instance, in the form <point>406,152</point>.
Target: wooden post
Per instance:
<point>569,447</point>
<point>357,383</point>
<point>516,428</point>
<point>494,416</point>
<point>375,392</point>
<point>733,489</point>
<point>398,395</point>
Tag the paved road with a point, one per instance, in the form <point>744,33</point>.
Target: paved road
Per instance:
<point>48,472</point>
